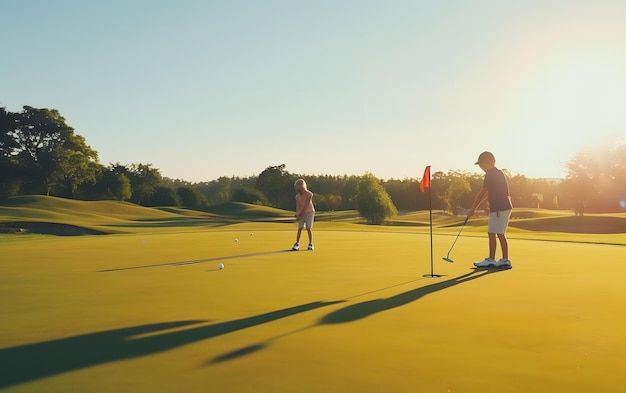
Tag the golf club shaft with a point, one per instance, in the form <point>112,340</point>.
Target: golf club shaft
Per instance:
<point>457,236</point>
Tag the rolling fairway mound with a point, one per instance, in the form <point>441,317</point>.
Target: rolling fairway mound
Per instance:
<point>248,211</point>
<point>150,311</point>
<point>49,215</point>
<point>597,224</point>
<point>38,206</point>
<point>59,216</point>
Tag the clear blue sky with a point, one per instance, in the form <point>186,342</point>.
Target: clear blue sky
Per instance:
<point>202,89</point>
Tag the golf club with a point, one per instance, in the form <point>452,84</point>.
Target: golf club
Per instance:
<point>447,257</point>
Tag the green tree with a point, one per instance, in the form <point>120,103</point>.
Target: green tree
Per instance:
<point>222,189</point>
<point>76,163</point>
<point>350,186</point>
<point>453,190</point>
<point>163,196</point>
<point>249,195</point>
<point>597,174</point>
<point>189,196</point>
<point>108,185</point>
<point>405,194</point>
<point>117,186</point>
<point>218,191</point>
<point>144,180</point>
<point>327,202</point>
<point>373,202</point>
<point>51,158</point>
<point>277,185</point>
<point>10,171</point>
<point>537,199</point>
<point>458,189</point>
<point>120,187</point>
<point>519,187</point>
<point>333,202</point>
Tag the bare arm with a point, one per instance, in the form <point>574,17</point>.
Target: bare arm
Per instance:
<point>303,203</point>
<point>480,198</point>
<point>306,200</point>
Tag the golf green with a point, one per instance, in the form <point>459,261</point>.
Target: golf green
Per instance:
<point>151,312</point>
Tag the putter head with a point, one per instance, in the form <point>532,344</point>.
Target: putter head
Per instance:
<point>447,259</point>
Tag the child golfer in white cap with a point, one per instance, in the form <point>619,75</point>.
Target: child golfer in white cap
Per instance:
<point>305,213</point>
<point>496,191</point>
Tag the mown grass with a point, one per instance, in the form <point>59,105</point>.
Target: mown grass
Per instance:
<point>149,311</point>
<point>146,309</point>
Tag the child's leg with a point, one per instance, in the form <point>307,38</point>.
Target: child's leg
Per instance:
<point>492,245</point>
<point>298,236</point>
<point>309,224</point>
<point>498,222</point>
<point>504,244</point>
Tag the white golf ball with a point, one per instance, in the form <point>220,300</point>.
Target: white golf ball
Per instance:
<point>220,266</point>
<point>236,240</point>
<point>251,234</point>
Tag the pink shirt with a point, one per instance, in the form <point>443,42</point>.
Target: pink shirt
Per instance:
<point>304,203</point>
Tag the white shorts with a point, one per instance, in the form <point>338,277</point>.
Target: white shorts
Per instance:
<point>306,220</point>
<point>498,221</point>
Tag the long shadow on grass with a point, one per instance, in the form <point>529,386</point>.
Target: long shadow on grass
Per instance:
<point>365,309</point>
<point>30,362</point>
<point>256,254</point>
<point>362,310</point>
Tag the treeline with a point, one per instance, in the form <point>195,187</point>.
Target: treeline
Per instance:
<point>41,154</point>
<point>451,190</point>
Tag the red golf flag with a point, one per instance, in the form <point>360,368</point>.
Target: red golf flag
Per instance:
<point>425,183</point>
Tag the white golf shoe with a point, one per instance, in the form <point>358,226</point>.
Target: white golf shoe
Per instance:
<point>487,262</point>
<point>504,264</point>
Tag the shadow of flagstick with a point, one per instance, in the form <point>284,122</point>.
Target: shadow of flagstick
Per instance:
<point>365,309</point>
<point>360,310</point>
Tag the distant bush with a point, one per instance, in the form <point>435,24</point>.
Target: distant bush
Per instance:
<point>373,202</point>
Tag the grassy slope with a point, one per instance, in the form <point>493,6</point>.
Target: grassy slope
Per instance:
<point>122,217</point>
<point>98,215</point>
<point>246,210</point>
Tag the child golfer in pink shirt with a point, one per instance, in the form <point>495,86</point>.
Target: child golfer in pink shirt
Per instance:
<point>305,213</point>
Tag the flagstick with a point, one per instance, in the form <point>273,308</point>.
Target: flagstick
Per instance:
<point>430,210</point>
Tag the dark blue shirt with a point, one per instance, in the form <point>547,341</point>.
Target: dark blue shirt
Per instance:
<point>498,190</point>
